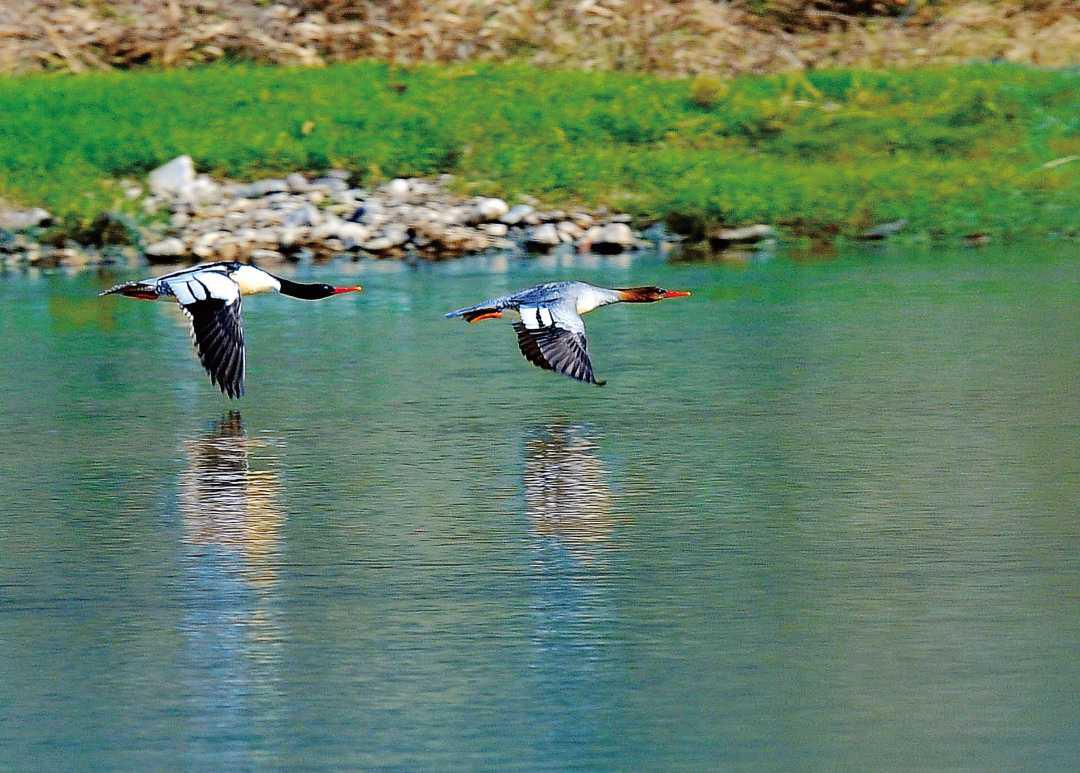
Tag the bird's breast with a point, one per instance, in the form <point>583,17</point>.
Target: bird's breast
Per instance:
<point>251,281</point>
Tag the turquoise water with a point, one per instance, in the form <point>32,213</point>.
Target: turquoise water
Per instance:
<point>824,515</point>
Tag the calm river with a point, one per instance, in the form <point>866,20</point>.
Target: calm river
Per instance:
<point>824,515</point>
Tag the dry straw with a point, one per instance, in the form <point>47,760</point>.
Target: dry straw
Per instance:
<point>668,37</point>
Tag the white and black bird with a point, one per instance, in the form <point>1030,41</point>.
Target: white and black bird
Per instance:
<point>547,319</point>
<point>210,294</point>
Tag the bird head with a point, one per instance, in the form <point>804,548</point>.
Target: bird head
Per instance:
<point>313,292</point>
<point>648,294</point>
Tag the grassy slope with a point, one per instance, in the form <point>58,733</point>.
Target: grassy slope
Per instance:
<point>954,150</point>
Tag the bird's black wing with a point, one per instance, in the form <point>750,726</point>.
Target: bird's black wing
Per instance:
<point>218,334</point>
<point>558,349</point>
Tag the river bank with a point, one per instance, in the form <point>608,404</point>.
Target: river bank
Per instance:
<point>970,154</point>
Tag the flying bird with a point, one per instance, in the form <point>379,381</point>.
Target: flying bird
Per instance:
<point>548,323</point>
<point>210,294</point>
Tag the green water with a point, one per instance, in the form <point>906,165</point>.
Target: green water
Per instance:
<point>824,515</point>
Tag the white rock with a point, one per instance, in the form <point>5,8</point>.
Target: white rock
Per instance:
<point>377,244</point>
<point>748,234</point>
<point>516,214</point>
<point>396,233</point>
<point>290,236</point>
<point>297,183</point>
<point>17,220</point>
<point>261,188</point>
<point>491,209</point>
<point>167,248</point>
<point>569,229</point>
<point>266,256</point>
<point>542,237</point>
<point>353,234</point>
<point>614,237</point>
<point>398,188</point>
<point>171,178</point>
<point>495,229</point>
<point>305,214</point>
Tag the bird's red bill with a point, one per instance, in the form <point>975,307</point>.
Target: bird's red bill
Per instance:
<point>676,294</point>
<point>340,290</point>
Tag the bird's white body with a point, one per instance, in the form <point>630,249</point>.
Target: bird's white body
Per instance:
<point>252,281</point>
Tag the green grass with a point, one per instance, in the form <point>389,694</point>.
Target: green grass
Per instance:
<point>953,150</point>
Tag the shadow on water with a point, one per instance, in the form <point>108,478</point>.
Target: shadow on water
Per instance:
<point>232,518</point>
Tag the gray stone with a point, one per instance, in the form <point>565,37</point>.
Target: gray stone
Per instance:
<point>19,220</point>
<point>748,235</point>
<point>516,214</point>
<point>378,244</point>
<point>297,183</point>
<point>171,179</point>
<point>879,232</point>
<point>330,184</point>
<point>542,238</point>
<point>613,238</point>
<point>266,256</point>
<point>353,234</point>
<point>396,233</point>
<point>261,188</point>
<point>495,229</point>
<point>306,214</point>
<point>167,248</point>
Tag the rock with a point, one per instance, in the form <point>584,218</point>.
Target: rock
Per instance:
<point>569,229</point>
<point>397,188</point>
<point>613,238</point>
<point>20,220</point>
<point>297,183</point>
<point>396,233</point>
<point>495,229</point>
<point>353,235</point>
<point>491,209</point>
<point>266,256</point>
<point>167,249</point>
<point>542,238</point>
<point>516,214</point>
<point>172,178</point>
<point>290,236</point>
<point>330,184</point>
<point>879,232</point>
<point>204,245</point>
<point>305,214</point>
<point>378,244</point>
<point>261,188</point>
<point>723,237</point>
<point>339,174</point>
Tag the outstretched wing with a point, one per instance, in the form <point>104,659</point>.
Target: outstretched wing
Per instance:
<point>556,342</point>
<point>212,303</point>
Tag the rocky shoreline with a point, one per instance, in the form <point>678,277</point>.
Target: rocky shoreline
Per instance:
<point>190,217</point>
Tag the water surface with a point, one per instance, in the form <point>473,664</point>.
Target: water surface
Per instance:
<point>823,515</point>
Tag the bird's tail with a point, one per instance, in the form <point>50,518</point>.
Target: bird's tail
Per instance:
<point>146,291</point>
<point>476,313</point>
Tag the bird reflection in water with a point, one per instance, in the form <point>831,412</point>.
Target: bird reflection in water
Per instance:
<point>570,508</point>
<point>232,519</point>
<point>567,496</point>
<point>227,505</point>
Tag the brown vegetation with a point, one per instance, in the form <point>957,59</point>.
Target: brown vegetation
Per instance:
<point>665,36</point>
